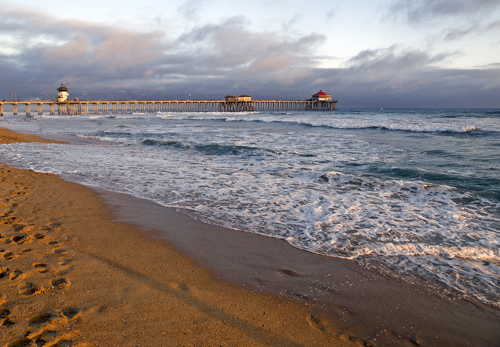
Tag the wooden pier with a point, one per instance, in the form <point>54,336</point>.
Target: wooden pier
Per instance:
<point>150,106</point>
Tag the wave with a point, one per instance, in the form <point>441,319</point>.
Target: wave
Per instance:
<point>151,142</point>
<point>209,149</point>
<point>414,227</point>
<point>334,122</point>
<point>446,123</point>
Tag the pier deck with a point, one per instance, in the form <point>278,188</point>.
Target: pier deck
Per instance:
<point>150,106</point>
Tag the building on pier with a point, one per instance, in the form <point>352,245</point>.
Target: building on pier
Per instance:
<point>321,96</point>
<point>63,93</point>
<point>230,98</point>
<point>244,97</point>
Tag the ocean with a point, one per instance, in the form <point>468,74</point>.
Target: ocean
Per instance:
<point>414,193</point>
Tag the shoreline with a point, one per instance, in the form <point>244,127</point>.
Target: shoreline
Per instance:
<point>324,301</point>
<point>73,277</point>
<point>344,296</point>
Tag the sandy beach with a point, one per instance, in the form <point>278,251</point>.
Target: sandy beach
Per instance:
<point>91,268</point>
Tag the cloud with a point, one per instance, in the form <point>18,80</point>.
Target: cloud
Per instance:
<point>232,45</point>
<point>459,33</point>
<point>224,58</point>
<point>457,19</point>
<point>409,79</point>
<point>330,14</point>
<point>76,46</point>
<point>288,26</point>
<point>390,60</point>
<point>422,10</point>
<point>190,9</point>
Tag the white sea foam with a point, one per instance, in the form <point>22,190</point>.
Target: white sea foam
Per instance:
<point>311,188</point>
<point>338,122</point>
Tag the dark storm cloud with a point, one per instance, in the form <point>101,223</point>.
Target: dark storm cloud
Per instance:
<point>39,52</point>
<point>51,50</point>
<point>409,79</point>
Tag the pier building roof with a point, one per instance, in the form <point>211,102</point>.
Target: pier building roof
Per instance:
<point>321,96</point>
<point>321,93</point>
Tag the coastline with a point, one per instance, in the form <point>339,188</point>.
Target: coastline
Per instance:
<point>104,273</point>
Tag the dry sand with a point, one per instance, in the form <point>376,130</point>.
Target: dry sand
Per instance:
<point>72,275</point>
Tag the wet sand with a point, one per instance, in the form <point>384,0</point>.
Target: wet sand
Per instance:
<point>86,268</point>
<point>9,136</point>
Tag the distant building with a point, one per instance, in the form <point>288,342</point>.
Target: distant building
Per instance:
<point>230,98</point>
<point>321,96</point>
<point>244,98</point>
<point>63,93</point>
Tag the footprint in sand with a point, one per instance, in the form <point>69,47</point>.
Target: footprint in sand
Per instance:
<point>58,317</point>
<point>19,239</point>
<point>18,192</point>
<point>59,283</point>
<point>8,220</point>
<point>9,256</point>
<point>21,343</point>
<point>59,251</point>
<point>40,267</point>
<point>4,313</point>
<point>6,322</point>
<point>28,288</point>
<point>15,274</point>
<point>42,337</point>
<point>4,270</point>
<point>18,227</point>
<point>49,338</point>
<point>71,312</point>
<point>40,319</point>
<point>49,329</point>
<point>4,318</point>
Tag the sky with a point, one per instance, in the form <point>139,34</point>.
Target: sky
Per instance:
<point>378,53</point>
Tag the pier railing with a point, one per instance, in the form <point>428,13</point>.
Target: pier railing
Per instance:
<point>146,106</point>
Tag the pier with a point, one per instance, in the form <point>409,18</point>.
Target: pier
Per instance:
<point>74,107</point>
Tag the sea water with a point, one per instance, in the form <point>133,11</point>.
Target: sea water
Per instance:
<point>411,192</point>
